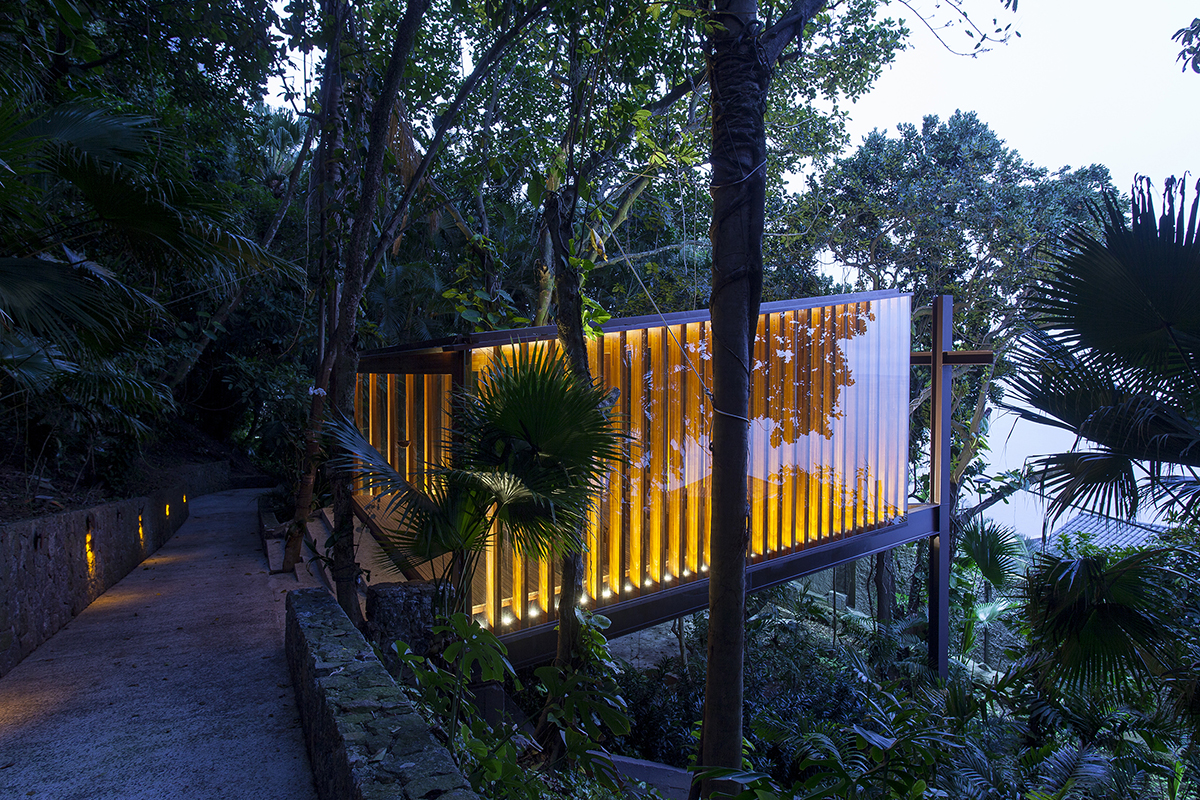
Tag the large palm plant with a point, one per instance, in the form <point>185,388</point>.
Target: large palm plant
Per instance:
<point>530,447</point>
<point>1115,360</point>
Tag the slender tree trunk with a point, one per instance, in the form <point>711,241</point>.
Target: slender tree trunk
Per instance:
<point>569,313</point>
<point>916,585</point>
<point>341,359</point>
<point>345,569</point>
<point>329,179</point>
<point>557,217</point>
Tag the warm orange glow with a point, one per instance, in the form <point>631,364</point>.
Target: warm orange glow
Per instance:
<point>828,451</point>
<point>91,555</point>
<point>168,509</point>
<point>141,531</point>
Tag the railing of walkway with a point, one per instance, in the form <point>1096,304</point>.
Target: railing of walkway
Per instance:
<point>829,441</point>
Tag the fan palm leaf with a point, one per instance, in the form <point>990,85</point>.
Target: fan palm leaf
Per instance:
<point>1132,300</point>
<point>1115,359</point>
<point>1092,621</point>
<point>1070,772</point>
<point>996,550</point>
<point>31,364</point>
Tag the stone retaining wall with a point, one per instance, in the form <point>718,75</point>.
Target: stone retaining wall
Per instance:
<point>365,740</point>
<point>53,567</point>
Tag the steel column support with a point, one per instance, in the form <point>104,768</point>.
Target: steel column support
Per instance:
<point>939,486</point>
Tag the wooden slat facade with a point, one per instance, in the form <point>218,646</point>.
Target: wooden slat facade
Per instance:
<point>829,442</point>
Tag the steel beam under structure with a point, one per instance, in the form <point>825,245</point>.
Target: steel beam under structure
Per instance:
<point>532,645</point>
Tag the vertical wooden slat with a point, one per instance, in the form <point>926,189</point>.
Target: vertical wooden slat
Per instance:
<point>805,398</point>
<point>416,429</point>
<point>756,495</point>
<point>694,466</point>
<point>874,418</point>
<point>827,354</point>
<point>656,428</point>
<point>372,406</point>
<point>853,423</point>
<point>864,424</point>
<point>393,447</point>
<point>673,456</point>
<point>635,354</point>
<point>773,444</point>
<point>705,360</point>
<point>900,462</point>
<point>787,406</point>
<point>594,557</point>
<point>614,528</point>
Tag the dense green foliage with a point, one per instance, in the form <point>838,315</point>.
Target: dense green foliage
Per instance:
<point>174,254</point>
<point>1090,698</point>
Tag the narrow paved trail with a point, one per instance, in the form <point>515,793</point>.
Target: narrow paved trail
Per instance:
<point>173,684</point>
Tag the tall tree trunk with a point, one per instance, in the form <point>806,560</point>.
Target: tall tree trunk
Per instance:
<point>569,313</point>
<point>741,57</point>
<point>739,80</point>
<point>328,180</point>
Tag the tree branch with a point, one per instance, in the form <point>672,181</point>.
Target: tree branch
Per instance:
<point>776,38</point>
<point>482,69</point>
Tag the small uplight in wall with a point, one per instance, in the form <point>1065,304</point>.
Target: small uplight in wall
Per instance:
<point>667,578</point>
<point>606,594</point>
<point>583,600</point>
<point>648,583</point>
<point>185,498</point>
<point>141,531</point>
<point>629,587</point>
<point>687,572</point>
<point>168,509</point>
<point>90,546</point>
<point>508,620</point>
<point>704,567</point>
<point>533,611</point>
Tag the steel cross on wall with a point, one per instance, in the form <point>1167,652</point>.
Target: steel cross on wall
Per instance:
<point>942,361</point>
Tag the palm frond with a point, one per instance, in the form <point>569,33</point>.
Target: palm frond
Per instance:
<point>1070,772</point>
<point>88,130</point>
<point>1092,621</point>
<point>30,363</point>
<point>1133,298</point>
<point>1180,491</point>
<point>978,776</point>
<point>56,300</point>
<point>996,550</point>
<point>1098,480</point>
<point>163,216</point>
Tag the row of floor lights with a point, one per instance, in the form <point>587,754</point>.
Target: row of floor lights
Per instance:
<point>508,619</point>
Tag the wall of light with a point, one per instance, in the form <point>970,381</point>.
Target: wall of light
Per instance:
<point>829,448</point>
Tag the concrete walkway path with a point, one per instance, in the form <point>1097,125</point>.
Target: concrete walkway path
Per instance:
<point>173,684</point>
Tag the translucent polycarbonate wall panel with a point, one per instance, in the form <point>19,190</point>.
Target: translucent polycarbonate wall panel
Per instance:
<point>828,452</point>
